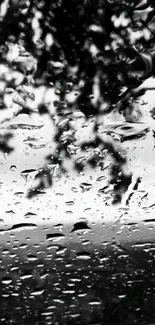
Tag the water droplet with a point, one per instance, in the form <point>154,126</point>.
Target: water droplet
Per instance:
<point>86,186</point>
<point>68,291</point>
<point>80,226</point>
<point>69,203</point>
<point>59,226</point>
<point>32,257</point>
<point>28,173</point>
<point>30,214</point>
<point>6,280</point>
<point>74,189</point>
<point>22,126</point>
<point>26,276</point>
<point>149,220</point>
<point>94,303</point>
<point>55,236</point>
<point>83,255</point>
<point>61,250</point>
<point>20,226</point>
<point>13,168</point>
<point>37,292</point>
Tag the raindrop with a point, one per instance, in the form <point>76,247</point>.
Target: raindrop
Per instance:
<point>13,168</point>
<point>47,313</point>
<point>37,146</point>
<point>69,203</point>
<point>37,292</point>
<point>129,131</point>
<point>14,268</point>
<point>68,291</point>
<point>60,301</point>
<point>52,247</point>
<point>74,189</point>
<point>103,189</point>
<point>75,280</point>
<point>82,295</point>
<point>18,193</point>
<point>85,242</point>
<point>30,214</point>
<point>23,127</point>
<point>30,139</point>
<point>69,212</point>
<point>32,257</point>
<point>94,303</point>
<point>100,178</point>
<point>23,246</point>
<point>6,280</point>
<point>86,186</point>
<point>20,226</point>
<point>10,212</point>
<point>5,251</point>
<point>26,276</point>
<point>131,224</point>
<point>122,296</point>
<point>61,250</point>
<point>148,220</point>
<point>58,226</point>
<point>55,236</point>
<point>44,275</point>
<point>104,258</point>
<point>83,255</point>
<point>27,173</point>
<point>80,226</point>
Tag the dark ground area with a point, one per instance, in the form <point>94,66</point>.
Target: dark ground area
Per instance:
<point>112,285</point>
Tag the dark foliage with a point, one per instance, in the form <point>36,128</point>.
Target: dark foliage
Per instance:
<point>91,45</point>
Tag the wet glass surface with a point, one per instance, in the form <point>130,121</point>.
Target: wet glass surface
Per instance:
<point>77,131</point>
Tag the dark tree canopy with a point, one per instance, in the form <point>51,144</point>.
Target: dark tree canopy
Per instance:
<point>91,49</point>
